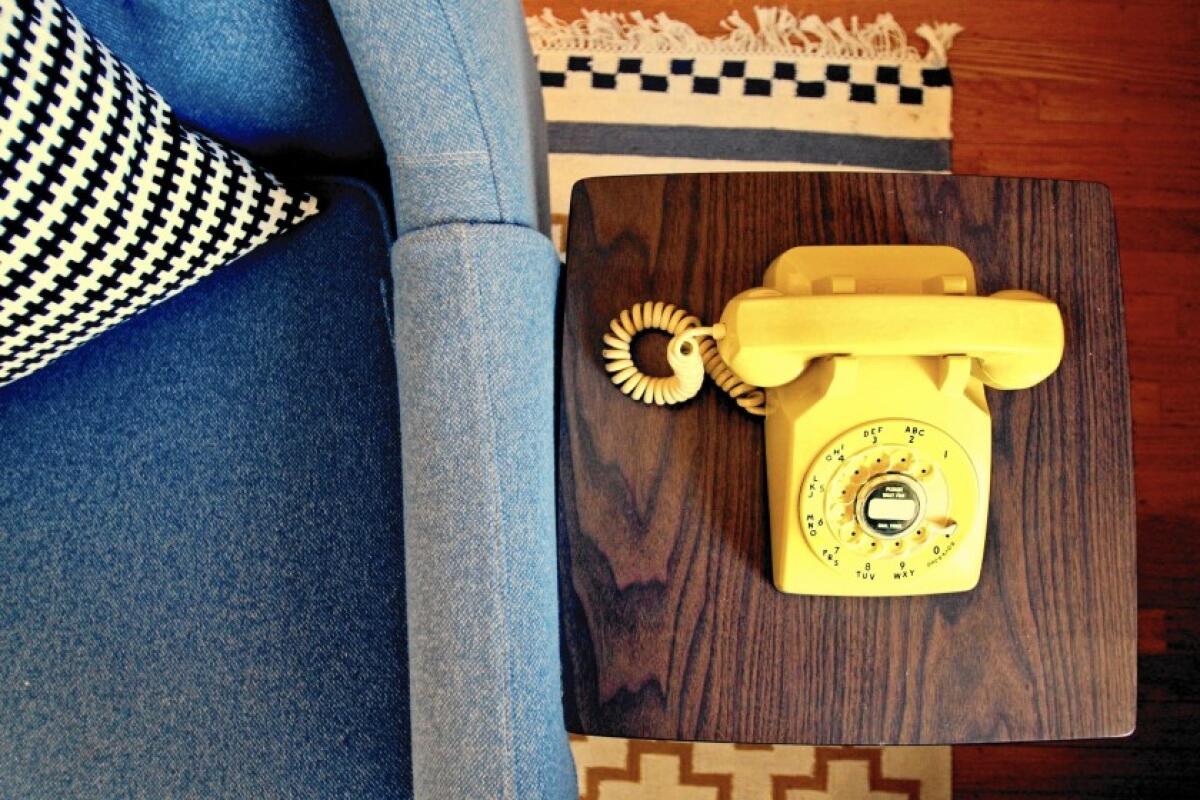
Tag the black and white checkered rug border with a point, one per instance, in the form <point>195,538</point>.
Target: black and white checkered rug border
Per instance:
<point>107,203</point>
<point>723,76</point>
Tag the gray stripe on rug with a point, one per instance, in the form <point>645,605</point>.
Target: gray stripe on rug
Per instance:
<point>749,144</point>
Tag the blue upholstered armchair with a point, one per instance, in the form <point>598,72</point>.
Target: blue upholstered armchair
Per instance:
<point>290,534</point>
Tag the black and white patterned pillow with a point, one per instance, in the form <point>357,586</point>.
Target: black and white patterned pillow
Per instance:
<point>108,204</point>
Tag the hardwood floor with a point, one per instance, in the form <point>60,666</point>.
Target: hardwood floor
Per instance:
<point>1110,91</point>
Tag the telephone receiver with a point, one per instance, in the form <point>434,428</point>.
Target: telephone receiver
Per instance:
<point>868,364</point>
<point>1015,337</point>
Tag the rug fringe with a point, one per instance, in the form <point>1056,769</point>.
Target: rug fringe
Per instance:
<point>774,31</point>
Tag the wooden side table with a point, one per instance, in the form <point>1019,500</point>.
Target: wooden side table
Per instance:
<point>671,625</point>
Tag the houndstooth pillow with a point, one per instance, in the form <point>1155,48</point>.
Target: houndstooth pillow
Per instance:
<point>108,204</point>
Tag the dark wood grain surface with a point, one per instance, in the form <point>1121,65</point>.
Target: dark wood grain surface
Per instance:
<point>671,626</point>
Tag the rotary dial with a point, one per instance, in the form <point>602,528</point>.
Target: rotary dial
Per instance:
<point>882,498</point>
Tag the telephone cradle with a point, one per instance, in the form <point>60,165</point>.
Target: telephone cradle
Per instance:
<point>868,365</point>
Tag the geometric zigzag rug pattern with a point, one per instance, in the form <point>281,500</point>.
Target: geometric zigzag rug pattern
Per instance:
<point>638,769</point>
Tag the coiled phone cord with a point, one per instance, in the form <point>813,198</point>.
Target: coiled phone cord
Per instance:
<point>691,353</point>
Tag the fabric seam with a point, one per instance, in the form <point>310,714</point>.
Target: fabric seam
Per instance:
<point>469,223</point>
<point>438,159</point>
<point>483,128</point>
<point>481,347</point>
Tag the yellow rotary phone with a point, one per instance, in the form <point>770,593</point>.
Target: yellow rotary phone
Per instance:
<point>868,365</point>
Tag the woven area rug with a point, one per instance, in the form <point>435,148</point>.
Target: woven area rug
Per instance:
<point>635,769</point>
<point>629,94</point>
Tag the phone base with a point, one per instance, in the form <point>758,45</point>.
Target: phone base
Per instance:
<point>877,466</point>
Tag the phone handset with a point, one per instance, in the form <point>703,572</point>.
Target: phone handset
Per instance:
<point>868,365</point>
<point>769,338</point>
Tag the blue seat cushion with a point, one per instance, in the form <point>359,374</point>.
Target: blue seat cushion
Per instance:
<point>201,567</point>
